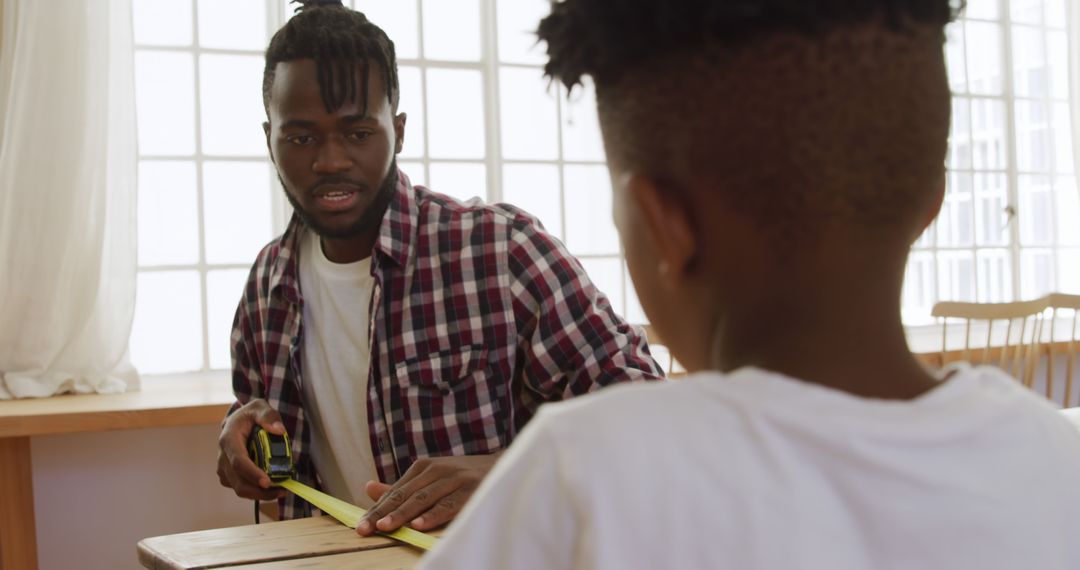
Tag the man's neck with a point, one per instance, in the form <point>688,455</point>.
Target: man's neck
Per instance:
<point>349,250</point>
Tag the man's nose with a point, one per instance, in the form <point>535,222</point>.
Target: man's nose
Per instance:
<point>332,157</point>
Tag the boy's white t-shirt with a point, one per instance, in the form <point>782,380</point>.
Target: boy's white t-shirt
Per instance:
<point>334,365</point>
<point>755,470</point>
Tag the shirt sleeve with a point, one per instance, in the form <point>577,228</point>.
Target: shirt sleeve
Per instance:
<point>246,380</point>
<point>572,340</point>
<point>523,516</point>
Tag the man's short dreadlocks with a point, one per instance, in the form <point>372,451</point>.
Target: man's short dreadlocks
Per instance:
<point>338,39</point>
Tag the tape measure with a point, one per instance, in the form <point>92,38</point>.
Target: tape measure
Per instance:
<point>272,454</point>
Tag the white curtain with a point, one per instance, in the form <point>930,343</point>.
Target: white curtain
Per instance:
<point>67,197</point>
<point>1073,8</point>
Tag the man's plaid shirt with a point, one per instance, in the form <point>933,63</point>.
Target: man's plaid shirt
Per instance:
<point>477,317</point>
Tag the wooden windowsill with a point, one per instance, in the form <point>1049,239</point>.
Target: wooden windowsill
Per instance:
<point>163,401</point>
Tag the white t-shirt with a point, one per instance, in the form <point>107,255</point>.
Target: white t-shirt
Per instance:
<point>335,371</point>
<point>754,470</point>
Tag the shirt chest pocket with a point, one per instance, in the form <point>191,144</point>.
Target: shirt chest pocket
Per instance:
<point>444,373</point>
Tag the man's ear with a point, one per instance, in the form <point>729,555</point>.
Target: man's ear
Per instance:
<point>399,132</point>
<point>666,219</point>
<point>266,131</point>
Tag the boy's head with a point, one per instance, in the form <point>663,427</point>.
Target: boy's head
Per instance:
<point>330,88</point>
<point>753,142</point>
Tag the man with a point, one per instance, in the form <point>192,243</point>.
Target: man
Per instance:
<point>775,160</point>
<point>398,336</point>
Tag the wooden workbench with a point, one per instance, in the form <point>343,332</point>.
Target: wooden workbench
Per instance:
<point>318,542</point>
<point>162,402</point>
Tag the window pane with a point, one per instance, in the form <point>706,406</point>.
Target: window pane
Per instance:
<point>1030,77</point>
<point>398,19</point>
<point>412,104</point>
<point>224,289</point>
<point>988,134</point>
<point>956,274</point>
<point>1036,273</point>
<point>1067,211</point>
<point>459,179</point>
<point>960,134</point>
<point>529,119</point>
<point>518,20</point>
<point>995,276</point>
<point>581,128</point>
<point>415,172</point>
<point>1026,11</point>
<point>919,289</point>
<point>236,206</point>
<point>991,216</point>
<point>606,275</point>
<point>232,107</point>
<point>1036,210</point>
<point>535,189</point>
<point>165,101</point>
<point>452,30</point>
<point>1033,150</point>
<point>589,226</point>
<point>1068,271</point>
<point>168,216</point>
<point>984,9</point>
<point>984,58</point>
<point>166,335</point>
<point>1056,16</point>
<point>232,24</point>
<point>954,56</point>
<point>455,101</point>
<point>1063,143</point>
<point>1058,46</point>
<point>162,22</point>
<point>955,223</point>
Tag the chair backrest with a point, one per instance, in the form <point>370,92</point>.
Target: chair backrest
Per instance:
<point>1021,338</point>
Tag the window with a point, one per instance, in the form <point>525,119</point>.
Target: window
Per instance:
<point>482,121</point>
<point>1008,227</point>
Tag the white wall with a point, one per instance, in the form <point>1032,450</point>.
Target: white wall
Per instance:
<point>97,494</point>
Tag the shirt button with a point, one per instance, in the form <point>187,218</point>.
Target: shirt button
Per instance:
<point>382,443</point>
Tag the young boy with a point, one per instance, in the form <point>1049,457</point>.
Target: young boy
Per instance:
<point>773,161</point>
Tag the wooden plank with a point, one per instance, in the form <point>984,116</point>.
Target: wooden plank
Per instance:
<point>268,542</point>
<point>162,402</point>
<point>18,544</point>
<point>393,558</point>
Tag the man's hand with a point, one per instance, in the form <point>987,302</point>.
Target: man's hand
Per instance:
<point>430,494</point>
<point>235,469</point>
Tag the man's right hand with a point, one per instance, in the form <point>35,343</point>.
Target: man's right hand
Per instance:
<point>235,469</point>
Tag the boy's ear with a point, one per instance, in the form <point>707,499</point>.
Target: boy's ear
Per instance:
<point>399,131</point>
<point>668,224</point>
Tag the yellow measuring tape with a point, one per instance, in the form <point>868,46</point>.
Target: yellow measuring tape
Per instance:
<point>273,455</point>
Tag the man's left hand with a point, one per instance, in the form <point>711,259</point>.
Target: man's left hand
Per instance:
<point>430,494</point>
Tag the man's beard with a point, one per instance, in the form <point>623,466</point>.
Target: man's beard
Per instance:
<point>370,219</point>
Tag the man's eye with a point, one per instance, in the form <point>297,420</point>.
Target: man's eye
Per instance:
<point>300,140</point>
<point>360,135</point>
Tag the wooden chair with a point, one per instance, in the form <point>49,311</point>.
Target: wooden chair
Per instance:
<point>1062,343</point>
<point>1022,338</point>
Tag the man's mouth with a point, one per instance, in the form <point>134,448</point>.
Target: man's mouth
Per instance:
<point>336,199</point>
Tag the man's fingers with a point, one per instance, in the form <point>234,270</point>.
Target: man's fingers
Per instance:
<point>444,511</point>
<point>416,504</point>
<point>376,489</point>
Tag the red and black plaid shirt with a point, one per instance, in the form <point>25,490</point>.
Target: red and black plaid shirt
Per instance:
<point>477,317</point>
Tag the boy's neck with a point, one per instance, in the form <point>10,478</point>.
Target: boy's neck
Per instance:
<point>846,334</point>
